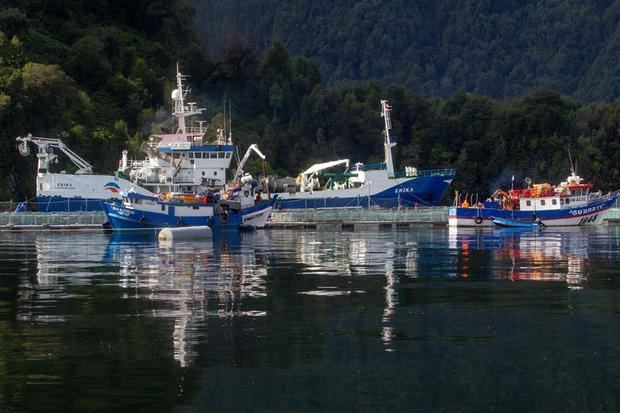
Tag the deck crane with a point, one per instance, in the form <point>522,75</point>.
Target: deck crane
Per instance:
<point>239,170</point>
<point>309,179</point>
<point>46,155</point>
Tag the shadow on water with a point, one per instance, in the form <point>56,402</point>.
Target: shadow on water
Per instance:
<point>392,320</point>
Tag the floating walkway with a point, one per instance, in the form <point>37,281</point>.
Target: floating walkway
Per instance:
<point>332,219</point>
<point>352,218</point>
<point>48,221</point>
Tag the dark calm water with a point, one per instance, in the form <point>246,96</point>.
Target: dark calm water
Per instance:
<point>419,319</point>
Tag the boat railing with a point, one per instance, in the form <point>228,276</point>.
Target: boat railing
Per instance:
<point>427,172</point>
<point>184,180</point>
<point>374,166</point>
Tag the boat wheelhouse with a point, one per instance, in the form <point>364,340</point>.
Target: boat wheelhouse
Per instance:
<point>185,160</point>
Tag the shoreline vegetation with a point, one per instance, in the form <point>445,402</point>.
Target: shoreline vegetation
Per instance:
<point>96,75</point>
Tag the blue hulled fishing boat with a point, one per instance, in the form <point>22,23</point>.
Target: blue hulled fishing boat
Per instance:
<point>186,175</point>
<point>363,185</point>
<point>569,203</point>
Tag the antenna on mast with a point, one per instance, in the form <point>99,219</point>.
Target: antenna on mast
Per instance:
<point>229,122</point>
<point>387,143</point>
<point>225,125</point>
<point>572,167</point>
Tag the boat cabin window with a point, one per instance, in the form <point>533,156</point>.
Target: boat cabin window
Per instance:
<point>554,201</point>
<point>542,202</point>
<point>220,155</point>
<point>163,207</point>
<point>214,173</point>
<point>176,155</point>
<point>198,155</point>
<point>191,155</point>
<point>213,155</point>
<point>567,201</point>
<point>228,154</point>
<point>125,199</point>
<point>203,173</point>
<point>528,203</point>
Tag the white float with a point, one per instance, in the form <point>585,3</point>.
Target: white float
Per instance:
<point>185,233</point>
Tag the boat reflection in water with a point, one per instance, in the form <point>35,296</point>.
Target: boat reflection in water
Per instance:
<point>558,254</point>
<point>192,282</point>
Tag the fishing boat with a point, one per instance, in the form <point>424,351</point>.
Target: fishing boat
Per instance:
<point>180,210</point>
<point>570,203</point>
<point>511,223</point>
<point>363,185</point>
<point>185,175</point>
<point>63,192</point>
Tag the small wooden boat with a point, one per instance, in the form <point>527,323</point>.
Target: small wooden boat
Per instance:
<point>504,222</point>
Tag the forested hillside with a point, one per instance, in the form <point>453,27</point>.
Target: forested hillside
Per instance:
<point>437,47</point>
<point>282,106</point>
<point>92,73</point>
<point>99,76</point>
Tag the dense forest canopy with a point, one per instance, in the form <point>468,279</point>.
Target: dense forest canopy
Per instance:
<point>437,47</point>
<point>99,76</point>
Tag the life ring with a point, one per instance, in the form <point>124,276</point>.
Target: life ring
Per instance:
<point>478,220</point>
<point>224,217</point>
<point>162,197</point>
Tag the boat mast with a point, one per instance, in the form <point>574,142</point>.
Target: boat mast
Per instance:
<point>387,144</point>
<point>180,109</point>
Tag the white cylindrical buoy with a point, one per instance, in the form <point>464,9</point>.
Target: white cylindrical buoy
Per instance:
<point>185,233</point>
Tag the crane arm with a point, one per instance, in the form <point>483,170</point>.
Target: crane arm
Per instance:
<point>325,165</point>
<point>252,147</point>
<point>83,166</point>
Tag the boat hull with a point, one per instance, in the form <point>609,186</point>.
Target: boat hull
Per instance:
<point>68,193</point>
<point>257,215</point>
<point>382,192</point>
<point>73,204</point>
<point>122,217</point>
<point>590,214</point>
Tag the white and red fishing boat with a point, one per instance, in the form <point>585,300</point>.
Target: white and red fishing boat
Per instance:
<point>570,203</point>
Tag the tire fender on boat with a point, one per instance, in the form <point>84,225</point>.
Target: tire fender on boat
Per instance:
<point>478,220</point>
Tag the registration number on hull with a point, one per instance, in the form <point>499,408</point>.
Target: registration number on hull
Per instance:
<point>588,220</point>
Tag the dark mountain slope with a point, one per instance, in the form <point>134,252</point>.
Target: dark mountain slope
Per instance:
<point>500,49</point>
